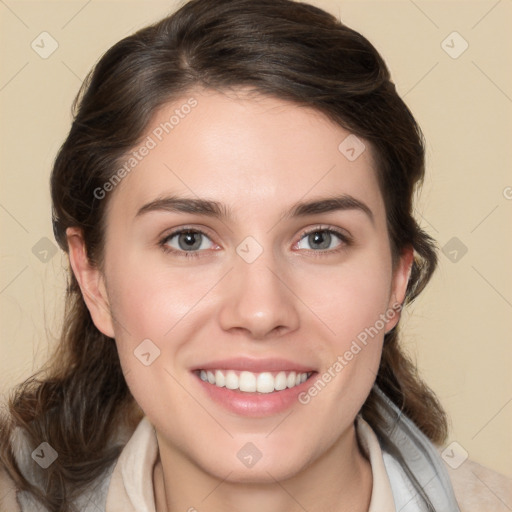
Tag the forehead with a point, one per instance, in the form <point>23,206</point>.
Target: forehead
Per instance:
<point>251,152</point>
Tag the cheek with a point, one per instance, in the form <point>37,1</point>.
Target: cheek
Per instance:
<point>151,300</point>
<point>155,309</point>
<point>150,311</point>
<point>350,298</point>
<point>350,303</point>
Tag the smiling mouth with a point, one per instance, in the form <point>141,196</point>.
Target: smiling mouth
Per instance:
<point>249,382</point>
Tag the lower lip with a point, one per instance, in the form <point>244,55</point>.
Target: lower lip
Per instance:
<point>254,404</point>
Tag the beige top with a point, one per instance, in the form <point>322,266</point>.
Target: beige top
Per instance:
<point>130,488</point>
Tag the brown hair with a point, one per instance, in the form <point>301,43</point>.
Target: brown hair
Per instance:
<point>288,50</point>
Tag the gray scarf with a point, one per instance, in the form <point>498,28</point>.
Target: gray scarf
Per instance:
<point>416,471</point>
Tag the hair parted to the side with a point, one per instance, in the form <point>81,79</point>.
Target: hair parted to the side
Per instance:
<point>292,51</point>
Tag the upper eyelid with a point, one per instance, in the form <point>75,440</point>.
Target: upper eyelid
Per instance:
<point>184,229</point>
<point>339,231</point>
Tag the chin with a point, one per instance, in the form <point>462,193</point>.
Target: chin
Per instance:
<point>233,469</point>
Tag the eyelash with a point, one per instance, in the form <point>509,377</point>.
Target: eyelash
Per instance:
<point>346,241</point>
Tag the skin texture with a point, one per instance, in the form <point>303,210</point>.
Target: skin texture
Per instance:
<point>258,156</point>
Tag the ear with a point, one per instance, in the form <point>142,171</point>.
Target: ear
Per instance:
<point>401,275</point>
<point>91,282</point>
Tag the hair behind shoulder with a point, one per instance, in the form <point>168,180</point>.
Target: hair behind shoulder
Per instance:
<point>79,403</point>
<point>293,51</point>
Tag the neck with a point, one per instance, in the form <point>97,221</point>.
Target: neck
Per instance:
<point>339,480</point>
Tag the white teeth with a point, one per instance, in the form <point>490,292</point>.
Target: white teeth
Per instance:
<point>290,381</point>
<point>280,381</point>
<point>231,380</point>
<point>250,382</point>
<point>247,382</point>
<point>220,380</point>
<point>264,383</point>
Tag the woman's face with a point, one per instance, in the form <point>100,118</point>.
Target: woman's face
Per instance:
<point>247,245</point>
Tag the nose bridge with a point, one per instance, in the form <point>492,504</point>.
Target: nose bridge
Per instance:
<point>255,299</point>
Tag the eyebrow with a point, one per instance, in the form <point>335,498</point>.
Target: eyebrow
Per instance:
<point>186,205</point>
<point>330,204</point>
<point>218,210</point>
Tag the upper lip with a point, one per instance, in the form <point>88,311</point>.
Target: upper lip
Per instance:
<point>254,365</point>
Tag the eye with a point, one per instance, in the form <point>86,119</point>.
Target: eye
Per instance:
<point>322,240</point>
<point>187,240</point>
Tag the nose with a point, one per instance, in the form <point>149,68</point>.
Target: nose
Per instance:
<point>257,300</point>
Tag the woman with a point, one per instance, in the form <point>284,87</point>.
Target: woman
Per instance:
<point>235,197</point>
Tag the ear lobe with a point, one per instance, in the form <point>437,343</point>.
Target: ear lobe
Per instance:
<point>91,282</point>
<point>401,276</point>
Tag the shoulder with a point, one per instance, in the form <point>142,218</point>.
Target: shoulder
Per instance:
<point>8,499</point>
<point>479,488</point>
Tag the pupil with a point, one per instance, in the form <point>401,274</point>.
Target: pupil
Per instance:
<point>321,239</point>
<point>188,241</point>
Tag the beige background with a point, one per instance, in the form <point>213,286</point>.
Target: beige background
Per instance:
<point>458,331</point>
